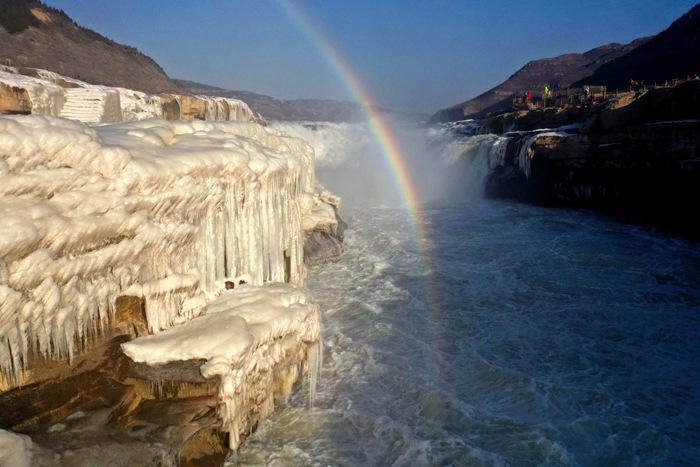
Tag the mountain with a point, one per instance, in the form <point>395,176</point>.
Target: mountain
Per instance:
<point>560,71</point>
<point>35,35</point>
<point>673,53</point>
<point>317,110</point>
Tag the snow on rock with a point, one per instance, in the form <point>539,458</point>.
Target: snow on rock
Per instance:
<point>243,336</point>
<point>169,211</point>
<point>323,212</point>
<point>46,97</point>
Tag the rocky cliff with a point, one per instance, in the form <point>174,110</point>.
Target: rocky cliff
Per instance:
<point>640,160</point>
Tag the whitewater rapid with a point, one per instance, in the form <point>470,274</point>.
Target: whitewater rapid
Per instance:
<point>552,336</point>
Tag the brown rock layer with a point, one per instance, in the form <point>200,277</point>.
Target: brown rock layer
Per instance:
<point>14,100</point>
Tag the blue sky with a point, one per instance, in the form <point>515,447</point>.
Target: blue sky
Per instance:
<point>412,55</point>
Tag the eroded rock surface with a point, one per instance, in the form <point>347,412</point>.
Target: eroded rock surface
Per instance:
<point>640,160</point>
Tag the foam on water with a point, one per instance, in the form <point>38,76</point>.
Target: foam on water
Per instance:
<point>556,337</point>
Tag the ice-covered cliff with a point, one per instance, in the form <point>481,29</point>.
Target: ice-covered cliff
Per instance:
<point>164,210</point>
<point>175,214</point>
<point>199,227</point>
<point>37,91</point>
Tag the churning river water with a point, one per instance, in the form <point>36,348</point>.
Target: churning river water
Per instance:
<point>533,336</point>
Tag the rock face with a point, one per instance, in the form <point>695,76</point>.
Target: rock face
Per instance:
<point>641,160</point>
<point>529,120</point>
<point>324,236</point>
<point>192,108</point>
<point>325,243</point>
<point>561,71</point>
<point>14,100</point>
<point>35,35</point>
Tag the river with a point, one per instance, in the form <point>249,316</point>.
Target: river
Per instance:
<point>532,336</point>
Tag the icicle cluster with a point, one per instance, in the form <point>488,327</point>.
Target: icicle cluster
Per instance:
<point>257,339</point>
<point>169,211</point>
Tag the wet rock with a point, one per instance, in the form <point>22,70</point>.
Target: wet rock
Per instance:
<point>111,410</point>
<point>205,448</point>
<point>326,243</point>
<point>130,315</point>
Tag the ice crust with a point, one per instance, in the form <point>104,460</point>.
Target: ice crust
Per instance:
<point>50,95</point>
<point>168,211</point>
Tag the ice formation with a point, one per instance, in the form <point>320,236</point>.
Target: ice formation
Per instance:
<point>243,336</point>
<point>58,95</point>
<point>46,97</point>
<point>169,211</point>
<point>322,215</point>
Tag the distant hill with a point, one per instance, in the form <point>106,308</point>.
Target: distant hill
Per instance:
<point>324,110</point>
<point>35,35</point>
<point>562,71</point>
<point>673,53</point>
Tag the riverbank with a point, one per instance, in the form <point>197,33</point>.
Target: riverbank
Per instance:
<point>635,158</point>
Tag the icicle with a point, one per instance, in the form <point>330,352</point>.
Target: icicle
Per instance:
<point>116,209</point>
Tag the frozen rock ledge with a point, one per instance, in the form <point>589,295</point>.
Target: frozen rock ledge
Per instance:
<point>180,242</point>
<point>254,340</point>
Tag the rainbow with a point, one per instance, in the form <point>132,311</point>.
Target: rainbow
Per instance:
<point>391,149</point>
<point>381,131</point>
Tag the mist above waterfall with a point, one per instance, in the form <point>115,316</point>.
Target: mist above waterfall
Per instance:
<point>446,166</point>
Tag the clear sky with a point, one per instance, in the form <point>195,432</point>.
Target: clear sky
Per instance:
<point>412,55</point>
